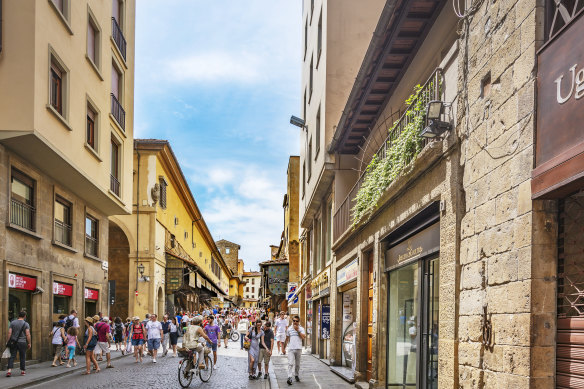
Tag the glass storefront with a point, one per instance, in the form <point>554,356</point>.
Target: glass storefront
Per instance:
<point>349,328</point>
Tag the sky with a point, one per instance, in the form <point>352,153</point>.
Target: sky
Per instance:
<point>219,80</point>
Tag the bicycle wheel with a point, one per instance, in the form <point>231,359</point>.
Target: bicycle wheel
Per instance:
<point>185,374</point>
<point>234,336</point>
<point>205,374</point>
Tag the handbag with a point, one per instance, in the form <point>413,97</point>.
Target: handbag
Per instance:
<point>246,344</point>
<point>12,342</point>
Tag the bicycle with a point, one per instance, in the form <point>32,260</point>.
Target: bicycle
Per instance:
<point>187,367</point>
<point>233,335</point>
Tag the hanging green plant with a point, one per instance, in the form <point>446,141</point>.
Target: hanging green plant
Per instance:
<point>403,145</point>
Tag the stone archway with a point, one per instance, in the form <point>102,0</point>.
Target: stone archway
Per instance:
<point>119,267</point>
<point>160,300</point>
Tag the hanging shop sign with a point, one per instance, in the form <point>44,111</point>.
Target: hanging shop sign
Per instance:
<point>91,294</point>
<point>415,247</point>
<point>348,273</point>
<point>62,289</point>
<point>17,281</point>
<point>278,279</point>
<point>321,284</point>
<point>325,321</point>
<point>559,152</point>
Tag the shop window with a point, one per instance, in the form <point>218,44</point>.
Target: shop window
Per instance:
<point>91,236</point>
<point>22,201</point>
<point>62,233</point>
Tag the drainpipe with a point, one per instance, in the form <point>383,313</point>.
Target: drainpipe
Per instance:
<point>0,26</point>
<point>137,220</point>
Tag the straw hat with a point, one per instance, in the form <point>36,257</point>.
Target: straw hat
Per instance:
<point>89,319</point>
<point>96,318</point>
<point>136,318</point>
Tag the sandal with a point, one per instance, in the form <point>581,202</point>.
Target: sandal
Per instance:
<point>53,365</point>
<point>97,371</point>
<point>86,373</point>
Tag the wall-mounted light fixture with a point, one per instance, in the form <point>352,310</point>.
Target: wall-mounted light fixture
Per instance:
<point>435,127</point>
<point>297,122</point>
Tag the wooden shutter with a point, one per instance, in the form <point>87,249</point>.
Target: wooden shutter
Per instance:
<point>115,82</point>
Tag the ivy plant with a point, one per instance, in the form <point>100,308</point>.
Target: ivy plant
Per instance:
<point>402,146</point>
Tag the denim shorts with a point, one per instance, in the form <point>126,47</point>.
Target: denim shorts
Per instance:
<point>137,342</point>
<point>153,344</point>
<point>212,346</point>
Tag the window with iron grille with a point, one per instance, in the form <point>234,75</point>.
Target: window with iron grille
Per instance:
<point>91,235</point>
<point>22,201</point>
<point>163,186</point>
<point>63,227</point>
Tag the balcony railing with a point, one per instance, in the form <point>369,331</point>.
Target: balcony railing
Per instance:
<point>22,215</point>
<point>118,36</point>
<point>114,185</point>
<point>62,233</point>
<point>343,218</point>
<point>118,112</point>
<point>91,245</point>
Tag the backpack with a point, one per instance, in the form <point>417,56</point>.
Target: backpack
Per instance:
<point>119,328</point>
<point>69,323</point>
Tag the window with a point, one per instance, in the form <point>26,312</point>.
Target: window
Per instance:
<point>62,8</point>
<point>319,41</point>
<point>60,5</point>
<point>117,8</point>
<point>310,80</point>
<point>309,158</point>
<point>329,229</point>
<point>90,126</point>
<point>253,289</point>
<point>63,218</point>
<point>56,88</point>
<point>93,40</point>
<point>91,235</point>
<point>163,186</point>
<point>118,111</point>
<point>22,201</point>
<point>304,106</point>
<point>227,250</point>
<point>247,288</point>
<point>115,167</point>
<point>303,178</point>
<point>118,27</point>
<point>317,128</point>
<point>305,38</point>
<point>253,281</point>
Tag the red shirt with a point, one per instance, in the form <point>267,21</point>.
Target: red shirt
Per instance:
<point>102,329</point>
<point>138,331</point>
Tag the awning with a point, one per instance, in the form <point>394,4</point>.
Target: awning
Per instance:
<point>298,290</point>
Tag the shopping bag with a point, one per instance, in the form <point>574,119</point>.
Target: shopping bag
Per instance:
<point>6,353</point>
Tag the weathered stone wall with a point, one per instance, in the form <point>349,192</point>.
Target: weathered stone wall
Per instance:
<point>231,257</point>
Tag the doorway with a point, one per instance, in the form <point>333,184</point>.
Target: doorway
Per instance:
<point>370,316</point>
<point>119,268</point>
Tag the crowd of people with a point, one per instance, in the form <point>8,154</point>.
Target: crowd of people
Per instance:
<point>96,336</point>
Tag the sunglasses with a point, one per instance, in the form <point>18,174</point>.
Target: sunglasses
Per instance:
<point>295,321</point>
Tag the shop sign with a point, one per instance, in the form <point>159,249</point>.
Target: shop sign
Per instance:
<point>91,294</point>
<point>192,280</point>
<point>348,273</point>
<point>418,246</point>
<point>320,284</point>
<point>325,325</point>
<point>16,281</point>
<point>294,311</point>
<point>62,289</point>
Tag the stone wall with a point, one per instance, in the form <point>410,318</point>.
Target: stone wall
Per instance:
<point>231,257</point>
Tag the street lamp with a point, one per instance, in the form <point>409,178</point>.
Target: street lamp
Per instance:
<point>436,127</point>
<point>297,122</point>
<point>141,270</point>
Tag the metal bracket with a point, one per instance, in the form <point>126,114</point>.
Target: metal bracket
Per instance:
<point>487,330</point>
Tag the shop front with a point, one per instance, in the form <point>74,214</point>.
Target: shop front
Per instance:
<point>322,323</point>
<point>347,294</point>
<point>21,297</point>
<point>62,295</point>
<point>412,267</point>
<point>91,301</point>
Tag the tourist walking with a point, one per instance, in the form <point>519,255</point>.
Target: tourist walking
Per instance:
<point>165,334</point>
<point>295,334</point>
<point>18,341</point>
<point>104,339</point>
<point>242,328</point>
<point>266,350</point>
<point>138,338</point>
<point>72,320</point>
<point>72,342</point>
<point>153,335</point>
<point>127,326</point>
<point>212,330</point>
<point>226,329</point>
<point>89,343</point>
<point>281,325</point>
<point>256,337</point>
<point>173,335</point>
<point>58,339</point>
<point>119,332</point>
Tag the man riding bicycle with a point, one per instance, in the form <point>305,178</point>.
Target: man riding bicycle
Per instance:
<point>191,339</point>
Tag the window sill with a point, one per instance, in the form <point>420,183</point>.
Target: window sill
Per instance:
<point>64,246</point>
<point>60,117</point>
<point>117,126</point>
<point>114,195</point>
<point>23,230</point>
<point>92,257</point>
<point>117,50</point>
<point>93,152</point>
<point>61,17</point>
<point>94,67</point>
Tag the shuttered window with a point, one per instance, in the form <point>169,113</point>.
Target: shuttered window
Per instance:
<point>163,186</point>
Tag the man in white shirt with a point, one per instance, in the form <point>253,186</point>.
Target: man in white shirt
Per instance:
<point>294,337</point>
<point>242,328</point>
<point>73,317</point>
<point>281,325</point>
<point>153,334</point>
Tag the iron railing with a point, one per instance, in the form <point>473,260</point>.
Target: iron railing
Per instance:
<point>114,185</point>
<point>91,245</point>
<point>22,215</point>
<point>431,90</point>
<point>118,36</point>
<point>118,112</point>
<point>62,233</point>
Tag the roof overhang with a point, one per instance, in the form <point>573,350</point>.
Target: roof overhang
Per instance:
<point>401,30</point>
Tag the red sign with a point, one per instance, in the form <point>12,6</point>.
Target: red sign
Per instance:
<point>91,294</point>
<point>62,289</point>
<point>17,281</point>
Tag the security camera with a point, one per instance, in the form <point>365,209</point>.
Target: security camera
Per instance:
<point>297,121</point>
<point>38,290</point>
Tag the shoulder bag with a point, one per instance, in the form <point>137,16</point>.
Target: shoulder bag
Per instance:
<point>12,341</point>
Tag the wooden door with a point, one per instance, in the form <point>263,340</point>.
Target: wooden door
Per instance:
<point>370,316</point>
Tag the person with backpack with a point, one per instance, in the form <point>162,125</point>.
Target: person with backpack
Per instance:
<point>165,334</point>
<point>137,333</point>
<point>18,341</point>
<point>72,321</point>
<point>119,332</point>
<point>89,343</point>
<point>58,339</point>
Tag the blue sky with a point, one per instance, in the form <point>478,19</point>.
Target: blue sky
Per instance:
<point>219,79</point>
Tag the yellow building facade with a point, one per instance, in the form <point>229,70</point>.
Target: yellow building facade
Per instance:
<point>172,262</point>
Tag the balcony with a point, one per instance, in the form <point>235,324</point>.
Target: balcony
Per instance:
<point>115,185</point>
<point>118,112</point>
<point>118,37</point>
<point>344,218</point>
<point>22,215</point>
<point>62,233</point>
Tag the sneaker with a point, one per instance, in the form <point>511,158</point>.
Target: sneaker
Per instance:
<point>297,378</point>
<point>23,373</point>
<point>289,382</point>
<point>266,376</point>
<point>215,367</point>
<point>153,360</point>
<point>8,374</point>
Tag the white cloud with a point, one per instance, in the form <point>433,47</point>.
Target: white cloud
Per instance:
<point>216,66</point>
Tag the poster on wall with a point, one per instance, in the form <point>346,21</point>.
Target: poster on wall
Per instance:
<point>325,322</point>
